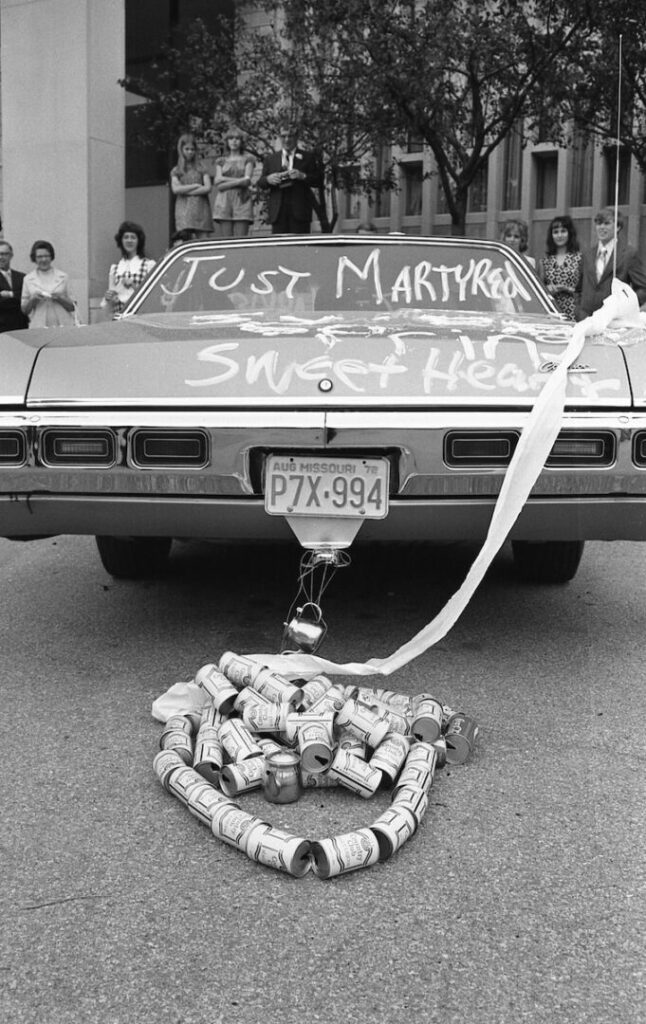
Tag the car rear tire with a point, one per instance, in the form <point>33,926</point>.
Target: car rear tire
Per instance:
<point>551,561</point>
<point>134,558</point>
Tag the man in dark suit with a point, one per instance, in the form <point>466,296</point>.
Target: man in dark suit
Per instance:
<point>11,316</point>
<point>289,175</point>
<point>598,265</point>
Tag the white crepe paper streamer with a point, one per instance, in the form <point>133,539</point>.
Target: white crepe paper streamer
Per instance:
<point>534,445</point>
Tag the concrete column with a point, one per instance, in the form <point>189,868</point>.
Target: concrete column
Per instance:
<point>63,134</point>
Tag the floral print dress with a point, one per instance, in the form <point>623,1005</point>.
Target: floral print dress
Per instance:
<point>563,274</point>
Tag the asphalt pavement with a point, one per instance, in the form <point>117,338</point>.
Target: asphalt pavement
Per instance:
<point>520,899</point>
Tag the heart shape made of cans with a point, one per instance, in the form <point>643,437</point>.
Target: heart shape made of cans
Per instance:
<point>259,730</point>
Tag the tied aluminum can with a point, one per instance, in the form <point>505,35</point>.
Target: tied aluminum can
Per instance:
<point>427,718</point>
<point>418,775</point>
<point>202,801</point>
<point>351,743</point>
<point>182,722</point>
<point>318,780</point>
<point>238,741</point>
<point>278,849</point>
<point>276,687</point>
<point>268,746</point>
<point>460,736</point>
<point>355,774</point>
<point>219,688</point>
<point>298,720</point>
<point>267,717</point>
<point>348,852</point>
<point>315,746</point>
<point>248,697</point>
<point>243,776</point>
<point>281,783</point>
<point>208,757</point>
<point>393,828</point>
<point>181,782</point>
<point>365,723</point>
<point>314,690</point>
<point>233,825</point>
<point>390,755</point>
<point>211,716</point>
<point>238,669</point>
<point>165,762</point>
<point>412,797</point>
<point>331,701</point>
<point>180,741</point>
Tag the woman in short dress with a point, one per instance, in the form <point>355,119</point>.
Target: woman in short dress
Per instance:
<point>190,183</point>
<point>46,298</point>
<point>515,234</point>
<point>233,204</point>
<point>126,275</point>
<point>560,268</point>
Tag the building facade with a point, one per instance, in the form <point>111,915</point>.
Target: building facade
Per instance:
<point>72,168</point>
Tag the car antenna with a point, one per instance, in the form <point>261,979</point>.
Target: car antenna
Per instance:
<point>617,150</point>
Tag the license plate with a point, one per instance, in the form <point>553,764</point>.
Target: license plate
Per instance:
<point>304,485</point>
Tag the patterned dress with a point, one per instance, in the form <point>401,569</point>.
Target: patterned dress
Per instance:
<point>192,212</point>
<point>125,278</point>
<point>233,203</point>
<point>563,274</point>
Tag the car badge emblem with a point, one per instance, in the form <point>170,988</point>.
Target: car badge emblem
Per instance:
<point>550,367</point>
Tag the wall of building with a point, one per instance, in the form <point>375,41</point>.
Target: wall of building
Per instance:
<point>63,134</point>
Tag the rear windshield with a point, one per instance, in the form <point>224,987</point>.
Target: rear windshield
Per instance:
<point>296,278</point>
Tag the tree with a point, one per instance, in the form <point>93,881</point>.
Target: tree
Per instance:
<point>459,75</point>
<point>603,103</point>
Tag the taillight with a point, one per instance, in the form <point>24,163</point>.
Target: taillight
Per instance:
<point>151,449</point>
<point>77,448</point>
<point>463,448</point>
<point>13,448</point>
<point>583,448</point>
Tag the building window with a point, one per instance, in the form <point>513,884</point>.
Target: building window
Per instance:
<point>412,180</point>
<point>582,168</point>
<point>478,191</point>
<point>546,170</point>
<point>414,143</point>
<point>610,168</point>
<point>512,169</point>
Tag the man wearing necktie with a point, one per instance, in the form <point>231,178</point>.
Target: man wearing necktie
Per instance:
<point>599,262</point>
<point>289,175</point>
<point>12,317</point>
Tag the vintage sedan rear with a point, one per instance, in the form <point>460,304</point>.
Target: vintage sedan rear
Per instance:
<point>327,388</point>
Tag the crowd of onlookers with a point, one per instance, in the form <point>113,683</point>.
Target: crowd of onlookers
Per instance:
<point>221,205</point>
